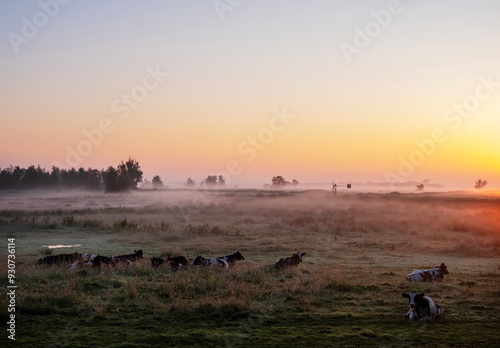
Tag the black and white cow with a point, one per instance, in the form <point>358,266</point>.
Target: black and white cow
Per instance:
<point>436,273</point>
<point>213,261</point>
<point>421,307</point>
<point>291,261</point>
<point>231,259</point>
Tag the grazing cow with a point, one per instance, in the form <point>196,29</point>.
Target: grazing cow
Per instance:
<point>156,262</point>
<point>61,258</point>
<point>231,259</point>
<point>421,307</point>
<point>213,261</point>
<point>294,260</point>
<point>427,275</point>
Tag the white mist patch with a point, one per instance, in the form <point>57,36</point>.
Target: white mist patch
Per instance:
<point>62,246</point>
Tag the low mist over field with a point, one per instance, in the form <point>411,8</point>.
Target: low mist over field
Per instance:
<point>347,291</point>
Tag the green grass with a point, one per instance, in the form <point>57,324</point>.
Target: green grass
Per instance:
<point>347,292</point>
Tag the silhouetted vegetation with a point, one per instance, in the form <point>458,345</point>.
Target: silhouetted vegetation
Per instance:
<point>124,177</point>
<point>480,184</point>
<point>190,182</point>
<point>37,177</point>
<point>213,180</point>
<point>279,181</point>
<point>157,183</point>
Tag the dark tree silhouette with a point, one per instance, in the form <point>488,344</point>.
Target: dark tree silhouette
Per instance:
<point>157,183</point>
<point>278,181</point>
<point>131,172</point>
<point>37,177</point>
<point>295,182</point>
<point>190,182</point>
<point>210,180</point>
<point>480,184</point>
<point>420,187</point>
<point>222,181</point>
<point>113,181</point>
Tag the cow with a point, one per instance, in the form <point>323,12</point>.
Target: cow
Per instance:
<point>231,259</point>
<point>156,262</point>
<point>93,261</point>
<point>181,260</point>
<point>128,259</point>
<point>291,261</point>
<point>175,263</point>
<point>421,307</point>
<point>213,261</point>
<point>61,258</point>
<point>437,273</point>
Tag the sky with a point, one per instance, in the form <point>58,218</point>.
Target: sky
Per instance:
<point>311,90</point>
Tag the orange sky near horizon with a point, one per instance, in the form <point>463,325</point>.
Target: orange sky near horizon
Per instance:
<point>186,93</point>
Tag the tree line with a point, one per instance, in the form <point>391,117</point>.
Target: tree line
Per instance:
<point>123,177</point>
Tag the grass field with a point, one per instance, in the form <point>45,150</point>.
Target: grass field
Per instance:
<point>346,292</point>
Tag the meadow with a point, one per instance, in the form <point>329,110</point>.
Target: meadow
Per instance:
<point>346,292</point>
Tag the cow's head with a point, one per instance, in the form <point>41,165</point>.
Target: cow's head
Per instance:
<point>41,261</point>
<point>237,255</point>
<point>413,299</point>
<point>443,269</point>
<point>197,260</point>
<point>300,255</point>
<point>138,253</point>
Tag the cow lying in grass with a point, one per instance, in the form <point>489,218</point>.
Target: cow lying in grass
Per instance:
<point>421,307</point>
<point>93,261</point>
<point>291,261</point>
<point>213,261</point>
<point>428,275</point>
<point>127,259</point>
<point>96,261</point>
<point>176,263</point>
<point>231,259</point>
<point>62,258</point>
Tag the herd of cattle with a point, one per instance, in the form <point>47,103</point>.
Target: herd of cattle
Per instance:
<point>421,307</point>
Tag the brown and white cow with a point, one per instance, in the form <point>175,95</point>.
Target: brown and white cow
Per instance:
<point>291,261</point>
<point>421,307</point>
<point>436,273</point>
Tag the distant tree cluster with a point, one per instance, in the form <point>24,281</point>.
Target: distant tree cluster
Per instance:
<point>213,180</point>
<point>190,182</point>
<point>124,177</point>
<point>37,177</point>
<point>279,181</point>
